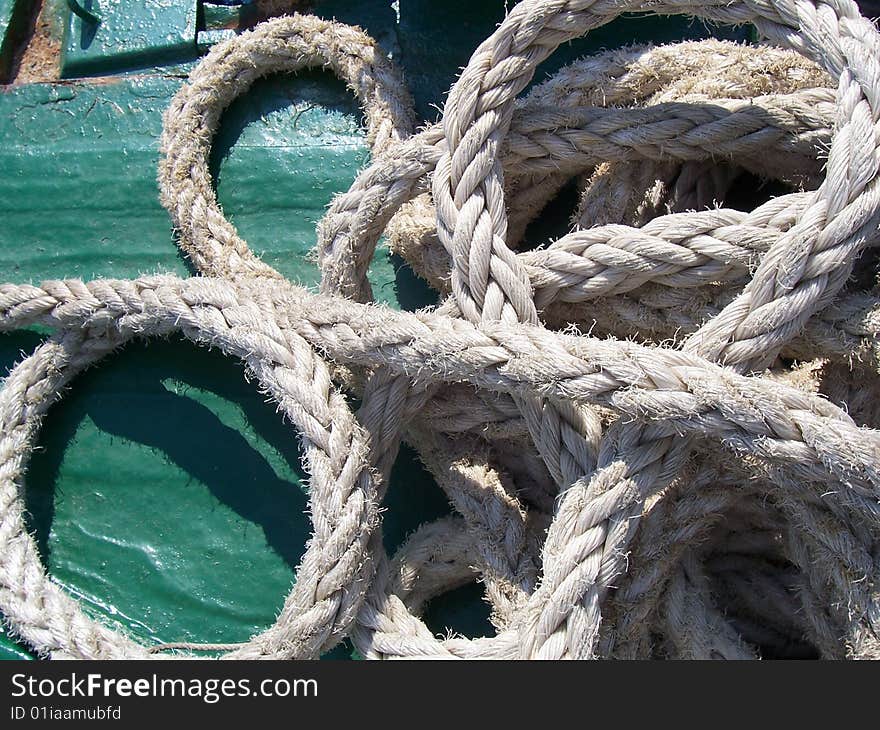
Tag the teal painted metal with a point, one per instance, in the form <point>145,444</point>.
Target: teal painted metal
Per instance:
<point>223,20</point>
<point>10,650</point>
<point>106,36</point>
<point>90,16</point>
<point>111,36</point>
<point>13,27</point>
<point>7,7</point>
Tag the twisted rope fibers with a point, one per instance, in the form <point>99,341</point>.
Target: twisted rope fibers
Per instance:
<point>593,505</point>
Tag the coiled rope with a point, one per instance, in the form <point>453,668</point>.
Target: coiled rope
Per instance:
<point>593,503</point>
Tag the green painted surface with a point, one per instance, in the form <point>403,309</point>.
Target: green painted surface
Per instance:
<point>79,196</point>
<point>139,35</point>
<point>13,14</point>
<point>128,34</point>
<point>166,494</point>
<point>222,20</point>
<point>6,8</point>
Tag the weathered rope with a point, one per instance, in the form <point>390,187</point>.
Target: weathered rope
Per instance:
<point>593,504</point>
<point>334,570</point>
<point>808,438</point>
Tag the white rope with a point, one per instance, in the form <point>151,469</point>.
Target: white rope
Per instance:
<point>594,506</point>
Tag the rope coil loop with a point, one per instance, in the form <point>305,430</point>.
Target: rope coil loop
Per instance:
<point>334,569</point>
<point>283,45</point>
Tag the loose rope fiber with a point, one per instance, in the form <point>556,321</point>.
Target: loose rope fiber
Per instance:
<point>697,477</point>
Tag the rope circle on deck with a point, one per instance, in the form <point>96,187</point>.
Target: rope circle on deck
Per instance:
<point>334,569</point>
<point>585,471</point>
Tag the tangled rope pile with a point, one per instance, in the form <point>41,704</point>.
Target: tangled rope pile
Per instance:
<point>594,503</point>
